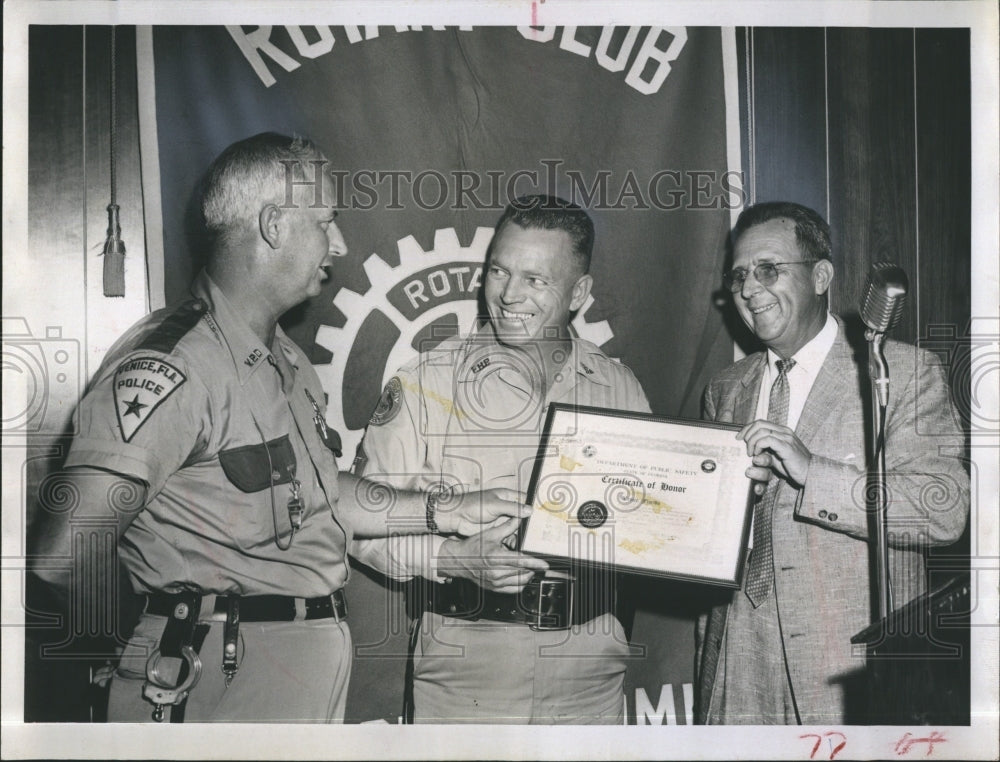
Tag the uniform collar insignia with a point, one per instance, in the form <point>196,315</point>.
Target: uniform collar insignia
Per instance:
<point>247,351</point>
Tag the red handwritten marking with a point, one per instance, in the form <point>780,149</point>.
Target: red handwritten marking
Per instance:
<point>904,744</point>
<point>838,747</point>
<point>534,18</point>
<point>819,739</point>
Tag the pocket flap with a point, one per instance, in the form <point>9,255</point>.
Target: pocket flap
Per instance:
<point>250,469</point>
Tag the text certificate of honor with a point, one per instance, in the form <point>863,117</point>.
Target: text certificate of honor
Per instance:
<point>641,493</point>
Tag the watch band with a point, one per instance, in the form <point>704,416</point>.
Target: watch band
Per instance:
<point>432,499</point>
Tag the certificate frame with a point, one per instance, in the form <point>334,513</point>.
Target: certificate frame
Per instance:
<point>641,493</point>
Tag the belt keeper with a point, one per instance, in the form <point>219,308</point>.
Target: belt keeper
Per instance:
<point>230,638</point>
<point>181,623</point>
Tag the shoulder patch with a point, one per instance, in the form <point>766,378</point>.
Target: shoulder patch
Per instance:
<point>166,335</point>
<point>389,403</point>
<point>141,384</point>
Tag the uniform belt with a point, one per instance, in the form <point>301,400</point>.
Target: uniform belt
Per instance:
<point>255,608</point>
<point>543,604</point>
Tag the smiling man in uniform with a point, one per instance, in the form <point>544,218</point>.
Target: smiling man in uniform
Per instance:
<point>204,451</point>
<point>468,414</point>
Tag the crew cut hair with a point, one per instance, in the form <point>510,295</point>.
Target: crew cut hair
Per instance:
<point>251,173</point>
<point>812,233</point>
<point>545,212</point>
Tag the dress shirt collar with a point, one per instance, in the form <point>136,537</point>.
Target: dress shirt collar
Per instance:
<point>808,362</point>
<point>809,359</point>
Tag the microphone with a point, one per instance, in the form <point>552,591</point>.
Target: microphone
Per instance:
<point>884,297</point>
<point>881,308</point>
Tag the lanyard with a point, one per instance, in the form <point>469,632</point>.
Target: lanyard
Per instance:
<point>296,503</point>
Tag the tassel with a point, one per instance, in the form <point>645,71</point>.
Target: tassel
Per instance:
<point>114,256</point>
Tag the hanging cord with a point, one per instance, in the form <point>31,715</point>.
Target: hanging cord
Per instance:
<point>114,247</point>
<point>274,503</point>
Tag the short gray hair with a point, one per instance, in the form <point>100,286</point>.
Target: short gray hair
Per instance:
<point>249,174</point>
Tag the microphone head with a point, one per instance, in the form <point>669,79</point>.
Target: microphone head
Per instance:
<point>884,296</point>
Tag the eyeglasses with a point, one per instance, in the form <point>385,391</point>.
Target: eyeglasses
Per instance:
<point>766,274</point>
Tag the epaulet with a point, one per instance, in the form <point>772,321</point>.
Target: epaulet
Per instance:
<point>168,333</point>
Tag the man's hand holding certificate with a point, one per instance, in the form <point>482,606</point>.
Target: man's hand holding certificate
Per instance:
<point>641,493</point>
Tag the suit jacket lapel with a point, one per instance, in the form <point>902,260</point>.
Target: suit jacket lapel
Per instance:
<point>832,384</point>
<point>745,401</point>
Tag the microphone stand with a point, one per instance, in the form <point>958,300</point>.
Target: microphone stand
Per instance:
<point>910,653</point>
<point>878,370</point>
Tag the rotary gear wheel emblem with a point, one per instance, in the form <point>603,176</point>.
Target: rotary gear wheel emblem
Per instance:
<point>384,279</point>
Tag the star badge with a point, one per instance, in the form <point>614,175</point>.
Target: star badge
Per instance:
<point>133,407</point>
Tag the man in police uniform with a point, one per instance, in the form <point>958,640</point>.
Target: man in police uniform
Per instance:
<point>467,415</point>
<point>203,448</point>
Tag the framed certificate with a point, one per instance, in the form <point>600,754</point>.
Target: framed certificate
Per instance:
<point>641,493</point>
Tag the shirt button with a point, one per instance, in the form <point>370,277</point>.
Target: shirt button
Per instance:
<point>833,517</point>
<point>822,514</point>
<point>275,475</point>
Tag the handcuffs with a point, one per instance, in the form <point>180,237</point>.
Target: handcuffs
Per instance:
<point>159,691</point>
<point>180,639</point>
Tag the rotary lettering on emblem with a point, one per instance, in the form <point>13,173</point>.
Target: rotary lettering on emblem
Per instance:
<point>592,514</point>
<point>389,403</point>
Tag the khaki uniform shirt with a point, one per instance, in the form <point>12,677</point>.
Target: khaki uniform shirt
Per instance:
<point>465,415</point>
<point>220,428</point>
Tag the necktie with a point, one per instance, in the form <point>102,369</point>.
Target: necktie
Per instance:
<point>760,576</point>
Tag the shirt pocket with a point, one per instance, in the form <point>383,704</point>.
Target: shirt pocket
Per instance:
<point>252,468</point>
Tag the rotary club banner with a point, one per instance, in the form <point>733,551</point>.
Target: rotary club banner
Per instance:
<point>431,132</point>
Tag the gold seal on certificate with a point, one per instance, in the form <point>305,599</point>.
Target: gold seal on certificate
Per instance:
<point>641,493</point>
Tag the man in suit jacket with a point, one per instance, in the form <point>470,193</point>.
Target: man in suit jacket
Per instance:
<point>779,651</point>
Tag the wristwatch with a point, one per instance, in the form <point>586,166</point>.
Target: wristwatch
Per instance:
<point>432,499</point>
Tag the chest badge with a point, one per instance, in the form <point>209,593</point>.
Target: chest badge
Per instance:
<point>328,436</point>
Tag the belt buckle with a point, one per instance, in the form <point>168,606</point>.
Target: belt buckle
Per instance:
<point>339,603</point>
<point>335,600</point>
<point>545,589</point>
